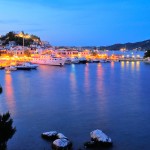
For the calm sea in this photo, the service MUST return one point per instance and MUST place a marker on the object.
(76, 99)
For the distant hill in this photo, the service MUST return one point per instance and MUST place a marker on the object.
(18, 38)
(143, 45)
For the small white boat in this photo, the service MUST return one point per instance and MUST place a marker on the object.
(75, 60)
(11, 68)
(26, 66)
(147, 60)
(68, 60)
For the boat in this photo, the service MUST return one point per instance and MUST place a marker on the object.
(32, 66)
(90, 60)
(75, 60)
(96, 60)
(1, 67)
(147, 60)
(23, 66)
(68, 60)
(11, 68)
(48, 60)
(82, 60)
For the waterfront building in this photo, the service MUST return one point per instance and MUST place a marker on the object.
(45, 44)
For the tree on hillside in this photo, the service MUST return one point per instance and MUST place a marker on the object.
(147, 54)
(11, 36)
(6, 130)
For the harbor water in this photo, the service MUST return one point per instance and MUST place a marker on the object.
(76, 99)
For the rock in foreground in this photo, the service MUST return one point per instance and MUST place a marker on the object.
(98, 138)
(62, 144)
(52, 135)
(61, 136)
(101, 138)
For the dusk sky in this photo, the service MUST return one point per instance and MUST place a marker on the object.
(78, 22)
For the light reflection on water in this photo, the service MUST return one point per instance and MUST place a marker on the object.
(76, 99)
(10, 100)
(87, 79)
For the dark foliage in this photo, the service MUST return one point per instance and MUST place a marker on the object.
(6, 130)
(147, 54)
(19, 40)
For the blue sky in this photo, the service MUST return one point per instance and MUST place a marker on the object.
(78, 22)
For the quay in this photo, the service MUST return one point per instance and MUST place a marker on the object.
(64, 56)
(131, 59)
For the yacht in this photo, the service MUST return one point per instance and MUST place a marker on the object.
(68, 60)
(48, 60)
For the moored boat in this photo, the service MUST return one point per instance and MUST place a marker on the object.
(32, 66)
(23, 66)
(1, 67)
(48, 60)
(68, 60)
(147, 60)
(75, 60)
(96, 60)
(11, 68)
(82, 60)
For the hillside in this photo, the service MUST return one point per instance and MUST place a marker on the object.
(18, 38)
